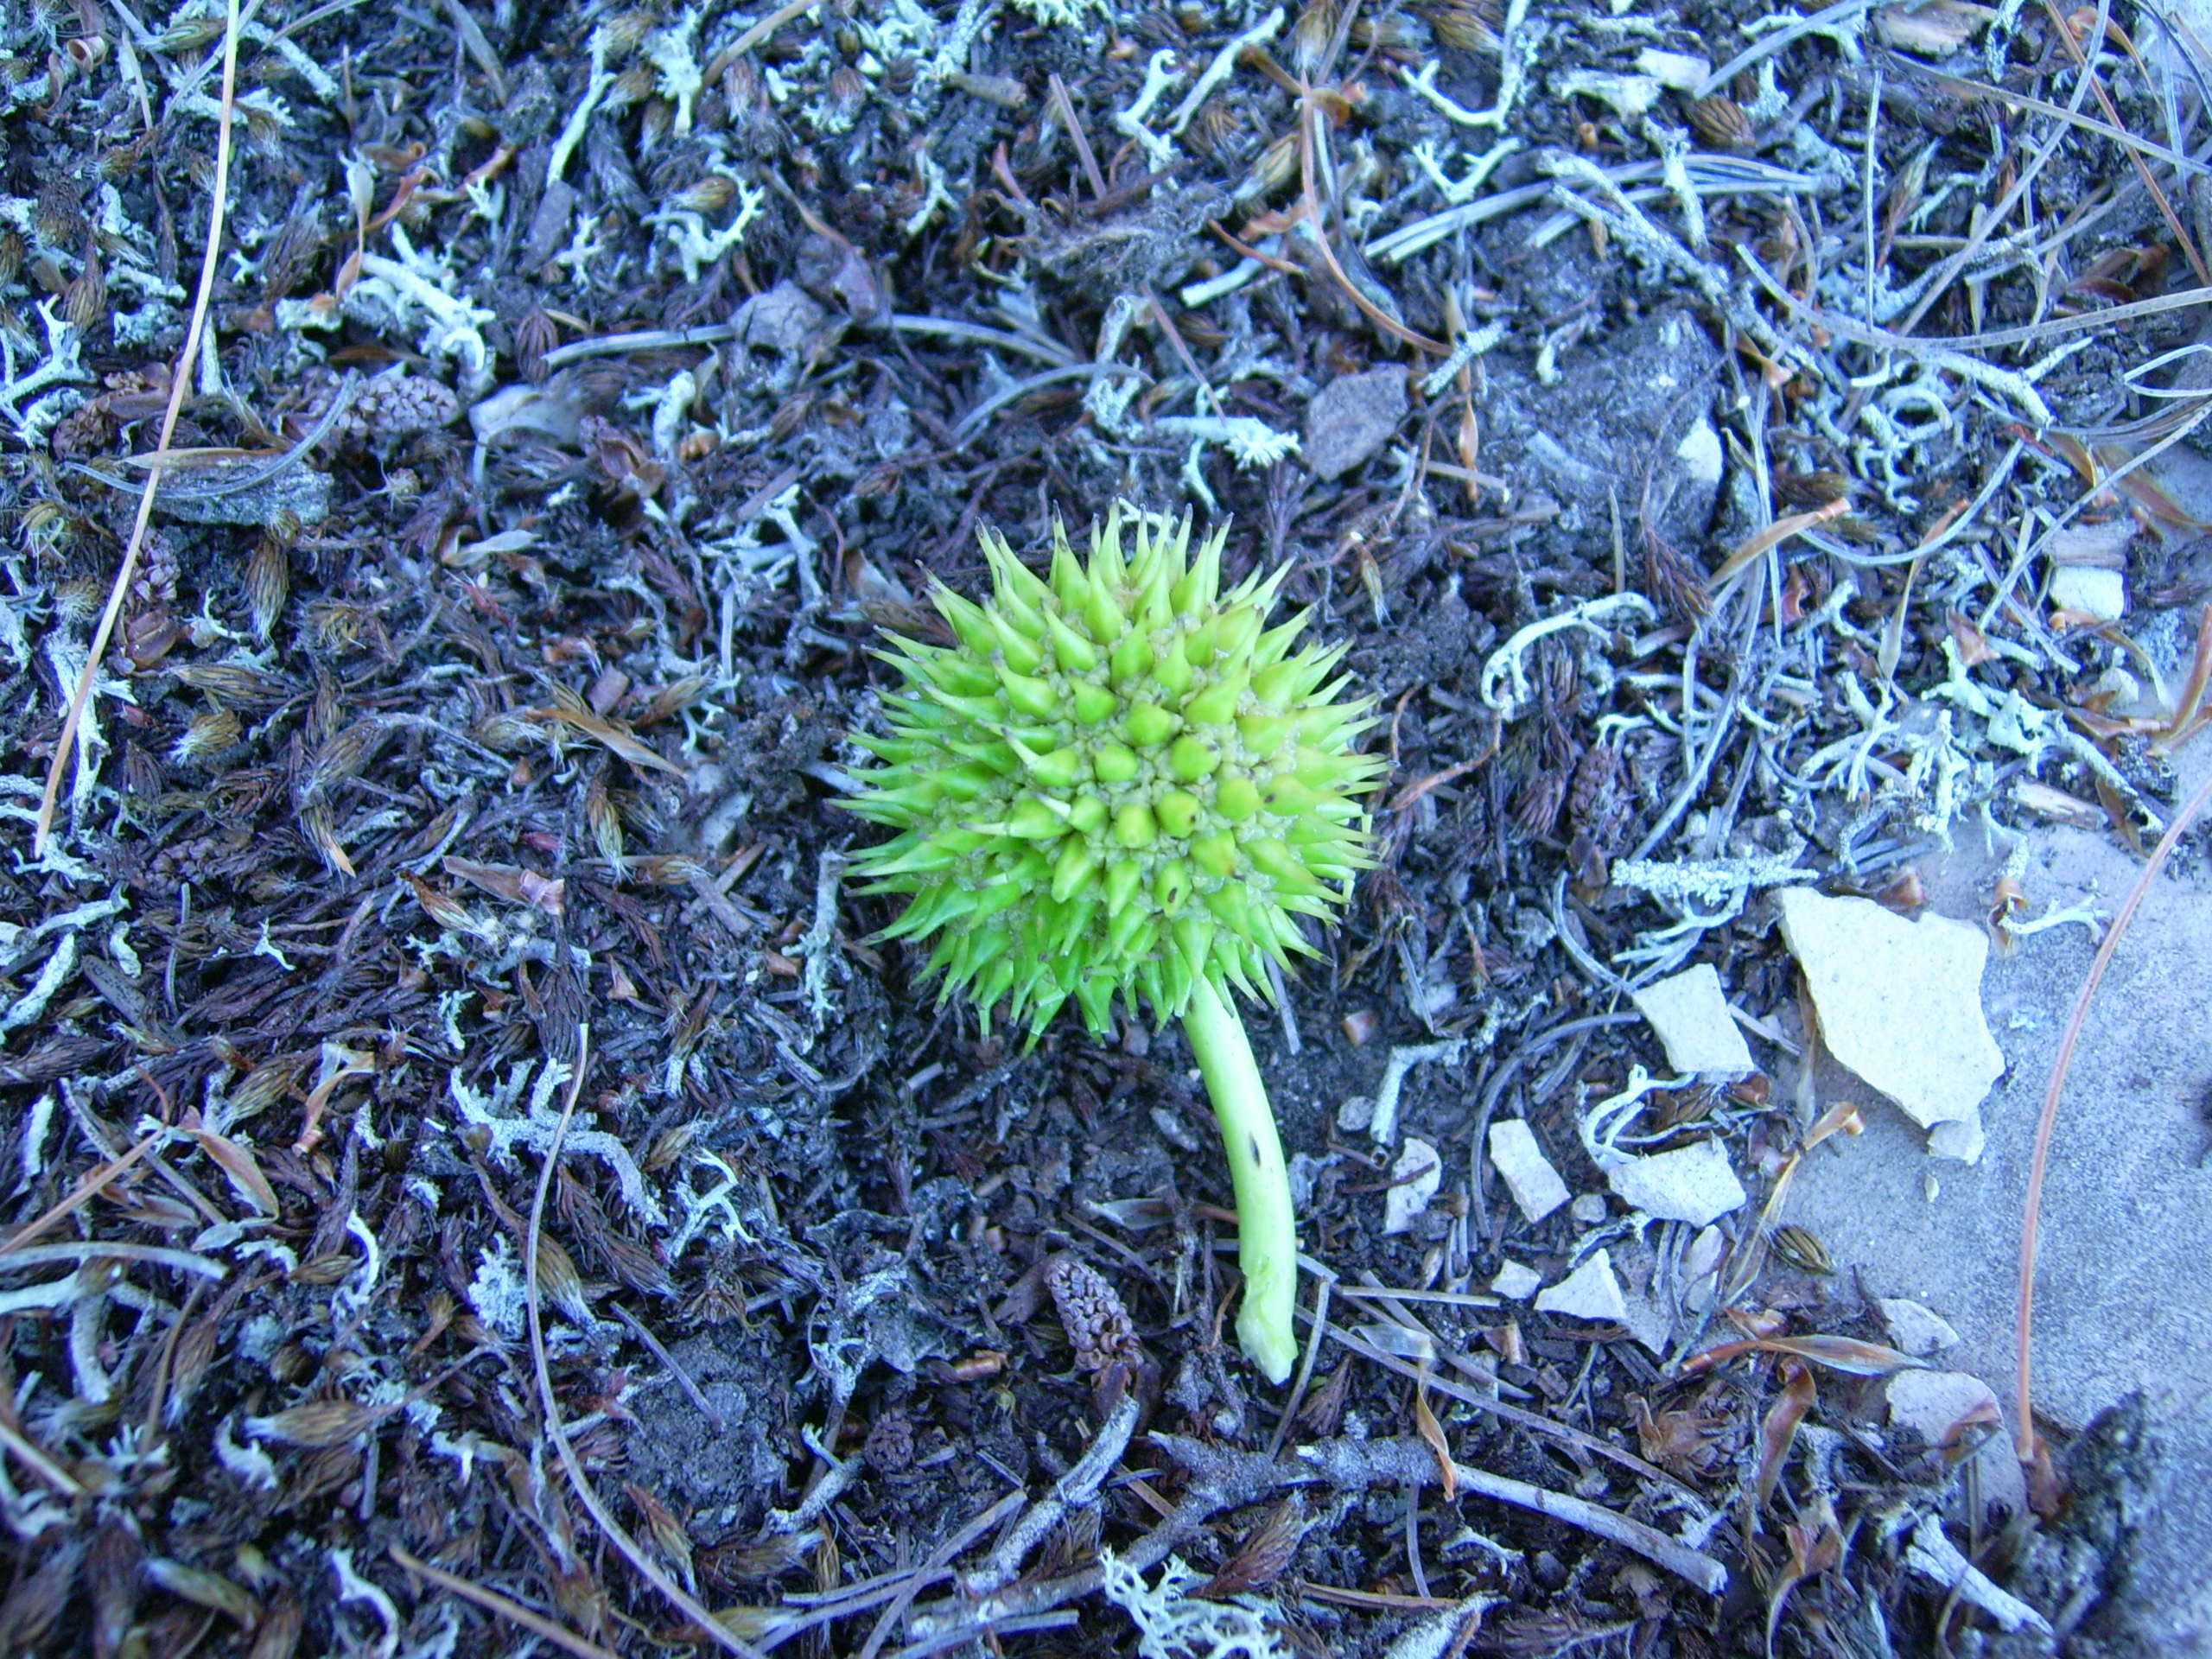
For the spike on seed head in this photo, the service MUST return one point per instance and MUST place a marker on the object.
(1118, 781)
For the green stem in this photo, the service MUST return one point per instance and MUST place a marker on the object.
(1267, 1233)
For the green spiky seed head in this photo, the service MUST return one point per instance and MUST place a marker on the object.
(1118, 779)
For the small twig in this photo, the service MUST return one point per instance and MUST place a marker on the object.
(1511, 1414)
(837, 1474)
(936, 1567)
(492, 1601)
(1076, 1489)
(1346, 1465)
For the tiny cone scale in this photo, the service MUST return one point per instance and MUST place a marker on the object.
(1118, 781)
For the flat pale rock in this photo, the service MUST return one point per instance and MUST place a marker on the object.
(1413, 1180)
(1701, 1269)
(2086, 590)
(1914, 1329)
(1693, 1184)
(1899, 1001)
(1962, 1137)
(1690, 1015)
(1352, 418)
(1517, 1281)
(1933, 1404)
(1535, 1185)
(1590, 1292)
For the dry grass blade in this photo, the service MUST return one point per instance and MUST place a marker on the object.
(611, 733)
(2104, 100)
(38, 1464)
(180, 379)
(1779, 1429)
(1534, 1421)
(1846, 1354)
(2200, 676)
(1309, 140)
(85, 1191)
(634, 1552)
(2025, 1441)
(1775, 533)
(1432, 1434)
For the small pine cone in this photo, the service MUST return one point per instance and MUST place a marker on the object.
(154, 587)
(399, 405)
(86, 431)
(1720, 121)
(381, 411)
(1091, 1311)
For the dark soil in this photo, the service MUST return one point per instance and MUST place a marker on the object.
(465, 747)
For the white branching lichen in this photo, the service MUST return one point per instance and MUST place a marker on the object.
(1171, 1624)
(535, 1128)
(685, 231)
(1067, 14)
(680, 77)
(417, 289)
(1160, 73)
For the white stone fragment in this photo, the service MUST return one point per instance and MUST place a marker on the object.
(1934, 1554)
(1701, 454)
(1678, 71)
(1962, 1138)
(1535, 1185)
(1914, 1329)
(1700, 1270)
(1590, 1292)
(1899, 1001)
(1648, 1323)
(1517, 1282)
(2089, 590)
(1690, 1014)
(1588, 1208)
(1693, 1184)
(1630, 95)
(1413, 1180)
(1934, 1403)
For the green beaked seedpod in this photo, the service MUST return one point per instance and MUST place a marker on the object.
(1120, 784)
